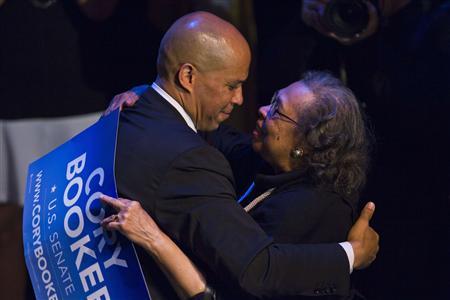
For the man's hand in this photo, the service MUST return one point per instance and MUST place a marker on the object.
(126, 99)
(364, 239)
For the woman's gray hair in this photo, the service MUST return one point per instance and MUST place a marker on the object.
(334, 136)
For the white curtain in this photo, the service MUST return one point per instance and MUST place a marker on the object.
(24, 140)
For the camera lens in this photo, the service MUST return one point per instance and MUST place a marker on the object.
(345, 18)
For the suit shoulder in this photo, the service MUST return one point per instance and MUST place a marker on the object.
(156, 133)
(204, 156)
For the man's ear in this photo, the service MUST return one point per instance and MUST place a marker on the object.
(186, 76)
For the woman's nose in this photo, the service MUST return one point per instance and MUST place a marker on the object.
(262, 111)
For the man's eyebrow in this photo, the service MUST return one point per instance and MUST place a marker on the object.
(236, 82)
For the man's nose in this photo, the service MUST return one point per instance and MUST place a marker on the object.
(238, 98)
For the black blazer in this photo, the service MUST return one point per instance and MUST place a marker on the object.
(187, 186)
(299, 212)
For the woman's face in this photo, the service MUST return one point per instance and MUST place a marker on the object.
(277, 131)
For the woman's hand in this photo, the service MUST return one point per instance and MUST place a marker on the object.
(132, 221)
(126, 99)
(137, 225)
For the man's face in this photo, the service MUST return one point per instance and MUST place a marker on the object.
(217, 92)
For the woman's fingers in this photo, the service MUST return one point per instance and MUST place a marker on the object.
(112, 223)
(111, 218)
(112, 226)
(117, 204)
(130, 219)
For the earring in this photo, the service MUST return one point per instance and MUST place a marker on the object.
(297, 153)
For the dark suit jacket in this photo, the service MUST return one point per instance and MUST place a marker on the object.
(299, 212)
(187, 186)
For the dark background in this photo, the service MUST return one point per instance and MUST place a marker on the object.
(60, 61)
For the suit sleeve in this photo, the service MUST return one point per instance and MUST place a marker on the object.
(198, 209)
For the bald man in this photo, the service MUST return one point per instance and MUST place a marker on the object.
(187, 185)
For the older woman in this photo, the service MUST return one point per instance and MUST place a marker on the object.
(313, 138)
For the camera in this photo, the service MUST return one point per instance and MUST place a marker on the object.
(346, 18)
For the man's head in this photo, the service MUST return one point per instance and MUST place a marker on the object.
(202, 63)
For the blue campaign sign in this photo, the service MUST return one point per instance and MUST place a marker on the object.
(67, 252)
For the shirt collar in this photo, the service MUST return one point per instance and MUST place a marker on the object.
(176, 105)
(266, 181)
